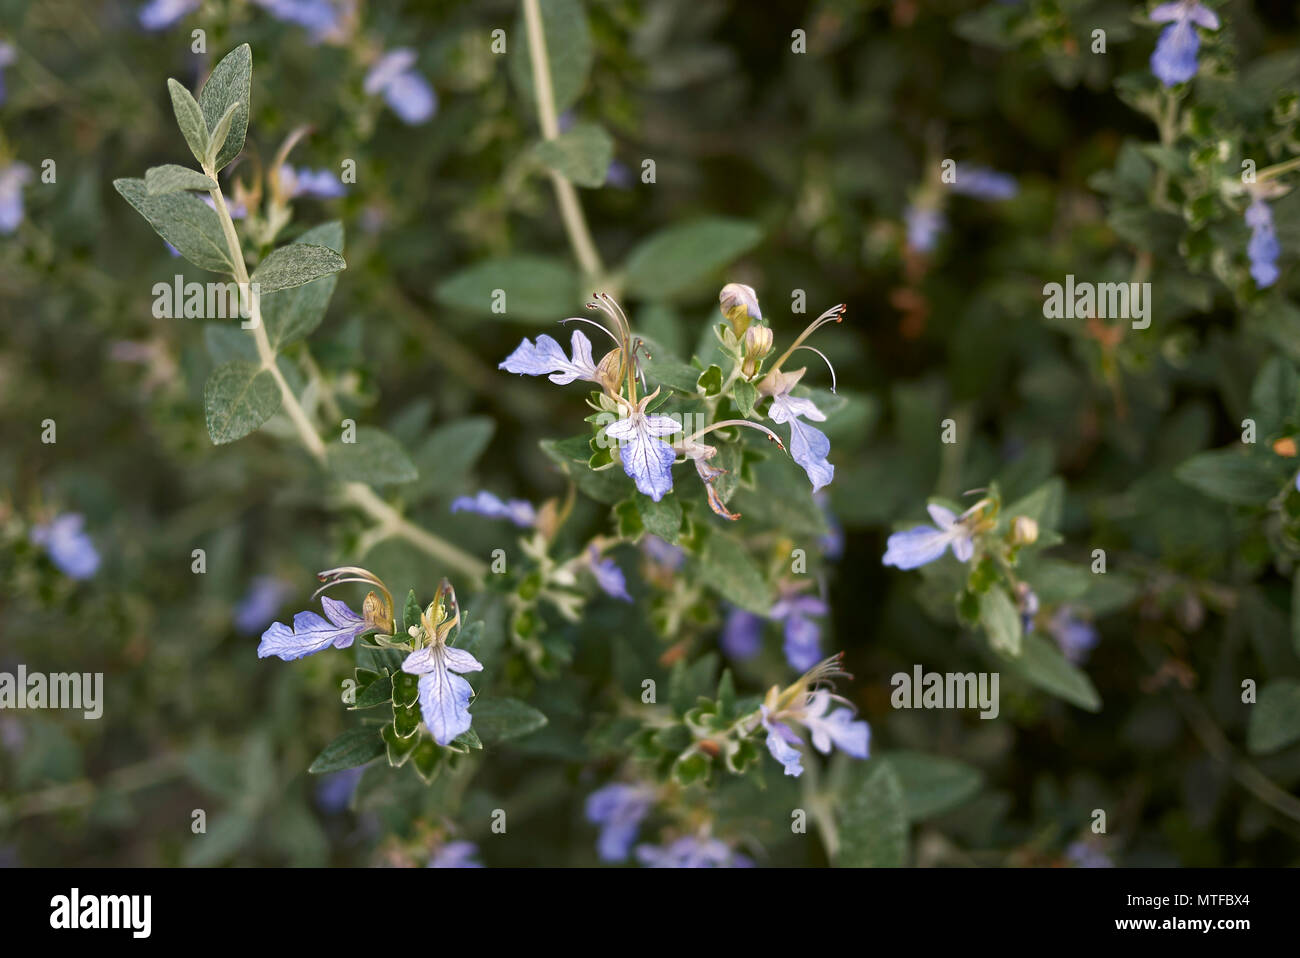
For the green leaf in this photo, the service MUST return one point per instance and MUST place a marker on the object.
(687, 683)
(226, 836)
(230, 83)
(873, 826)
(356, 746)
(932, 784)
(239, 397)
(1001, 621)
(525, 289)
(662, 518)
(1275, 718)
(410, 611)
(450, 451)
(1042, 664)
(729, 570)
(406, 689)
(1274, 395)
(399, 749)
(292, 314)
(608, 486)
(190, 119)
(1231, 475)
(581, 154)
(500, 719)
(406, 720)
(378, 692)
(745, 394)
(217, 139)
(568, 50)
(709, 382)
(427, 759)
(679, 257)
(160, 180)
(183, 220)
(1043, 505)
(295, 264)
(375, 458)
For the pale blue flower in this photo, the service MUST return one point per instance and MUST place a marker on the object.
(662, 553)
(809, 446)
(832, 543)
(407, 92)
(7, 56)
(13, 178)
(692, 851)
(802, 635)
(742, 634)
(984, 183)
(456, 855)
(835, 728)
(334, 791)
(68, 547)
(608, 575)
(260, 603)
(304, 181)
(923, 544)
(924, 225)
(161, 14)
(619, 810)
(647, 459)
(1263, 249)
(444, 695)
(1074, 635)
(319, 17)
(547, 358)
(311, 633)
(518, 511)
(1083, 855)
(1174, 59)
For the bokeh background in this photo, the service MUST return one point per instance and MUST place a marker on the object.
(822, 152)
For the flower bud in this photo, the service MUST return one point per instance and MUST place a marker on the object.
(758, 343)
(609, 371)
(739, 306)
(1024, 531)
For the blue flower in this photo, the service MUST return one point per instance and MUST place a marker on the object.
(924, 225)
(161, 14)
(260, 603)
(546, 357)
(67, 545)
(742, 634)
(407, 92)
(1027, 605)
(619, 810)
(518, 511)
(647, 459)
(691, 851)
(455, 855)
(1263, 249)
(608, 575)
(7, 56)
(917, 547)
(1083, 855)
(828, 728)
(311, 633)
(334, 791)
(319, 17)
(662, 553)
(802, 635)
(13, 178)
(1075, 636)
(985, 184)
(832, 543)
(1174, 59)
(305, 181)
(809, 446)
(444, 695)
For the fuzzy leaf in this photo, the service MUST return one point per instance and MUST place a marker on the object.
(183, 220)
(239, 397)
(295, 265)
(230, 83)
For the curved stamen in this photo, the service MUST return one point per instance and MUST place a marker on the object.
(737, 422)
(814, 349)
(592, 322)
(833, 315)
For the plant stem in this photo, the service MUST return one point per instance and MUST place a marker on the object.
(575, 224)
(390, 521)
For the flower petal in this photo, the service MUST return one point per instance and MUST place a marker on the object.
(546, 357)
(915, 547)
(444, 702)
(647, 461)
(458, 660)
(310, 633)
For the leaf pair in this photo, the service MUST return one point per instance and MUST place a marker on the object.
(215, 126)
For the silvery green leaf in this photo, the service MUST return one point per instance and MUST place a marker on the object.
(189, 117)
(500, 719)
(932, 784)
(375, 458)
(568, 49)
(873, 826)
(581, 154)
(524, 289)
(291, 314)
(1042, 664)
(1001, 621)
(219, 135)
(230, 83)
(161, 180)
(239, 397)
(1275, 718)
(183, 220)
(356, 746)
(679, 257)
(295, 265)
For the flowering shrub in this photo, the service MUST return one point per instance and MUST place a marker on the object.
(998, 413)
